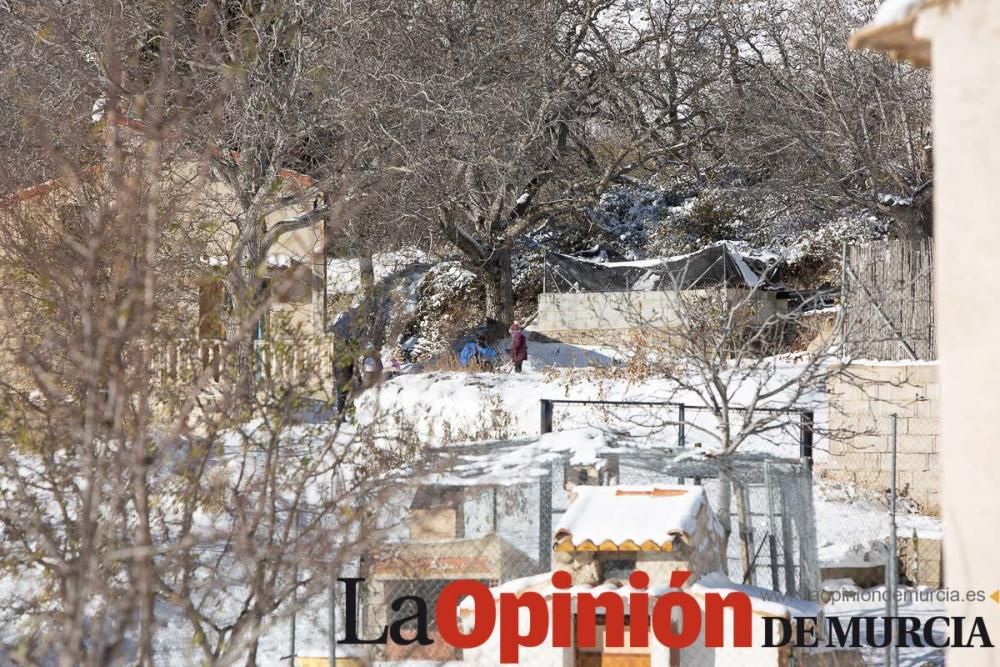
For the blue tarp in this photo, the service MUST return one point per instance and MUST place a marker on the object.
(472, 350)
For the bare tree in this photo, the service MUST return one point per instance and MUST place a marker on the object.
(518, 113)
(140, 511)
(810, 119)
(263, 114)
(746, 372)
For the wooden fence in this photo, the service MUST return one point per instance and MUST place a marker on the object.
(888, 300)
(281, 362)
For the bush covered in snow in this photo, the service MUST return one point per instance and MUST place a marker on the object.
(448, 299)
(653, 219)
(627, 214)
(634, 219)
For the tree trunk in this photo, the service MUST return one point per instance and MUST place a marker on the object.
(724, 513)
(240, 364)
(242, 321)
(746, 534)
(498, 281)
(366, 269)
(369, 311)
(252, 654)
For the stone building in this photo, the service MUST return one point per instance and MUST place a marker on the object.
(197, 225)
(862, 405)
(608, 532)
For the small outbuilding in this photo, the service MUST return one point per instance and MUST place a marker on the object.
(583, 299)
(436, 551)
(609, 531)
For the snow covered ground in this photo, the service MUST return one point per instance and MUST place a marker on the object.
(854, 530)
(917, 602)
(447, 407)
(452, 407)
(566, 355)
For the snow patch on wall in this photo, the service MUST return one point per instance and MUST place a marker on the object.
(895, 11)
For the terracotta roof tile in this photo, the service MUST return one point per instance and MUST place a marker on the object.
(629, 518)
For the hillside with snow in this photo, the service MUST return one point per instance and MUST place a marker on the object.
(427, 302)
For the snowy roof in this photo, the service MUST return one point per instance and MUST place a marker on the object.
(891, 31)
(629, 518)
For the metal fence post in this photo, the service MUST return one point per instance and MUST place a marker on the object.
(806, 437)
(545, 522)
(891, 569)
(291, 637)
(545, 269)
(496, 511)
(681, 436)
(333, 616)
(810, 576)
(295, 600)
(788, 540)
(772, 538)
(546, 424)
(680, 425)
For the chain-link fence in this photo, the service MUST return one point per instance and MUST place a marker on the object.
(878, 484)
(499, 513)
(782, 432)
(885, 433)
(493, 512)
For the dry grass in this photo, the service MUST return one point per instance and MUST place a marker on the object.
(448, 362)
(445, 362)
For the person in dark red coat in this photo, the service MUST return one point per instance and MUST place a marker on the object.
(518, 346)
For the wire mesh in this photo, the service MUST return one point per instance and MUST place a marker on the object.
(469, 520)
(716, 265)
(488, 511)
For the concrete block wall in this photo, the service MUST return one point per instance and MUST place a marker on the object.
(861, 405)
(581, 314)
(603, 310)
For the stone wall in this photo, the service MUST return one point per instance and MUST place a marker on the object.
(581, 313)
(861, 405)
(921, 559)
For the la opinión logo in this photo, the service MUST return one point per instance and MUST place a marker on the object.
(676, 619)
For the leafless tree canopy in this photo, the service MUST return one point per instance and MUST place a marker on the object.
(141, 500)
(145, 146)
(482, 120)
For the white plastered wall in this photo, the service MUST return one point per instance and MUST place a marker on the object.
(965, 39)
